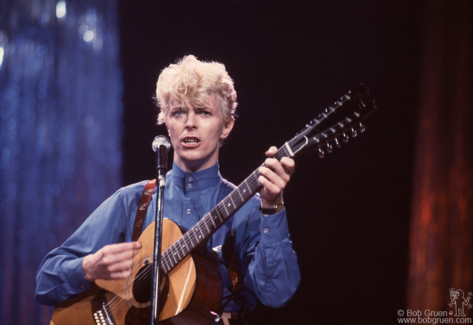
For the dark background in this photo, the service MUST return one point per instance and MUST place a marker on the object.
(349, 212)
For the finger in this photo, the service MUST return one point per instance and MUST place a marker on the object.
(271, 151)
(122, 246)
(119, 257)
(283, 168)
(269, 187)
(111, 256)
(123, 274)
(275, 166)
(288, 164)
(121, 265)
(272, 177)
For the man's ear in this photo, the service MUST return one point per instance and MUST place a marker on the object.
(227, 129)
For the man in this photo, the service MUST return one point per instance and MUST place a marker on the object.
(197, 102)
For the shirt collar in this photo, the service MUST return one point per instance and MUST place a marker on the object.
(197, 181)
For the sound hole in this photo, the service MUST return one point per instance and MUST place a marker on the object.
(143, 283)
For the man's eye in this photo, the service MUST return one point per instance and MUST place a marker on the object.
(177, 113)
(205, 113)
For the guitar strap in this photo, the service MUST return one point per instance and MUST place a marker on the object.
(142, 208)
(227, 250)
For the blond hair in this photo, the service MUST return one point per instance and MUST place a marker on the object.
(191, 81)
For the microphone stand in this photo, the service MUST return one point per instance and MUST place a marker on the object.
(161, 146)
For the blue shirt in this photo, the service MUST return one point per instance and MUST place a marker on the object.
(267, 262)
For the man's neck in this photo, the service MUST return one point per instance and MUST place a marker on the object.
(193, 166)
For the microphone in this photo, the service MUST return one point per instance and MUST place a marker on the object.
(161, 146)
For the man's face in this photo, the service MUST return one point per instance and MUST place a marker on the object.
(196, 133)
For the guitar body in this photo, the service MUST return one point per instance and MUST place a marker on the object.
(191, 291)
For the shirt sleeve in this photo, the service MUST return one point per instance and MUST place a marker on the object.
(268, 262)
(60, 274)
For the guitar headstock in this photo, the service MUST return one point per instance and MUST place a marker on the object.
(337, 123)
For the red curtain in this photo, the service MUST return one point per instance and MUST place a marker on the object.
(441, 245)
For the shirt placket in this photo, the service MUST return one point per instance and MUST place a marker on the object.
(189, 216)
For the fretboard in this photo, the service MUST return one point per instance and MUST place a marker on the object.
(212, 221)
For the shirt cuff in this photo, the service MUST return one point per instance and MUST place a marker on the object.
(274, 227)
(75, 282)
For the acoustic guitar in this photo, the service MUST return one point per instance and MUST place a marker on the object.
(191, 286)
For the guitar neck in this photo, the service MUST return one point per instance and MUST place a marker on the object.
(213, 220)
(338, 120)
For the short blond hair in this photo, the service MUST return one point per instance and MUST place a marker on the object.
(192, 81)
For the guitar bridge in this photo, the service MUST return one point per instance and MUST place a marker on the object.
(102, 317)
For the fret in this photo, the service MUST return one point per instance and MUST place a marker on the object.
(199, 225)
(176, 251)
(181, 247)
(217, 209)
(212, 219)
(238, 190)
(199, 236)
(189, 238)
(165, 258)
(205, 228)
(210, 223)
(247, 190)
(254, 181)
(233, 203)
(236, 198)
(172, 255)
(165, 262)
(191, 242)
(223, 203)
(208, 230)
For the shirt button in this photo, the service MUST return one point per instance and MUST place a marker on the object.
(190, 178)
(265, 230)
(189, 185)
(188, 211)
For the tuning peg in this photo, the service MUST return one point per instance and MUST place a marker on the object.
(345, 137)
(337, 143)
(329, 148)
(353, 133)
(321, 153)
(361, 128)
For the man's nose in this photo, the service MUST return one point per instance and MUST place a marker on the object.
(191, 121)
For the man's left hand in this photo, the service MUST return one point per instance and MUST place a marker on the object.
(274, 176)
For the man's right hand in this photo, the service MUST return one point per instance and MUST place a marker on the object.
(111, 262)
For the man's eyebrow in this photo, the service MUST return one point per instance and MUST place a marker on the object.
(200, 108)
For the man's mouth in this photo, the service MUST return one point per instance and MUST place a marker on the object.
(191, 141)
